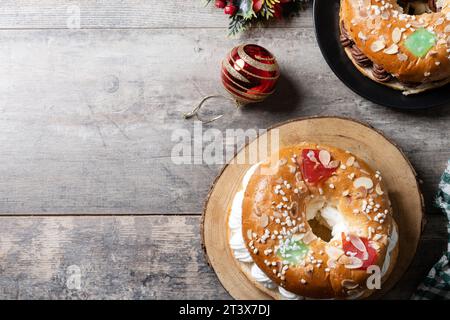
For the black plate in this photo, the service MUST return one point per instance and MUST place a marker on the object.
(326, 23)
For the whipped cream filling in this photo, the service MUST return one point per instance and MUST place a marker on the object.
(237, 243)
(331, 215)
(393, 239)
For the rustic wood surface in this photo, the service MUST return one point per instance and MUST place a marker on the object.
(86, 116)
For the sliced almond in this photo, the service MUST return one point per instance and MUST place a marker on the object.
(249, 234)
(354, 263)
(365, 182)
(312, 157)
(345, 260)
(358, 243)
(324, 157)
(447, 29)
(334, 164)
(396, 35)
(349, 284)
(418, 24)
(393, 49)
(264, 220)
(350, 161)
(378, 189)
(377, 46)
(360, 193)
(362, 36)
(333, 252)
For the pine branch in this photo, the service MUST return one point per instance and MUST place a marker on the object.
(267, 9)
(246, 17)
(237, 24)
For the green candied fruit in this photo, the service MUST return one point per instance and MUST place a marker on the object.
(420, 42)
(292, 251)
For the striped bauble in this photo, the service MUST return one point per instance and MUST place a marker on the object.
(250, 73)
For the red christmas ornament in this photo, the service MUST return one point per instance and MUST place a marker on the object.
(250, 73)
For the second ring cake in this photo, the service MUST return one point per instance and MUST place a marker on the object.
(313, 222)
(403, 44)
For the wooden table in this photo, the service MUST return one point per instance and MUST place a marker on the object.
(91, 204)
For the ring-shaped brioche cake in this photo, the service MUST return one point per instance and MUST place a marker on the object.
(405, 47)
(288, 202)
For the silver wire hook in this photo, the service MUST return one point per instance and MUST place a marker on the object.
(195, 111)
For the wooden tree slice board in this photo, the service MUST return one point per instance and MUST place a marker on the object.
(359, 138)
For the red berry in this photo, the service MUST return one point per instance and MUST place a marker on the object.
(257, 5)
(220, 4)
(230, 9)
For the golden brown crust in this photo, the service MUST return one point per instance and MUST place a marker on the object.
(371, 25)
(319, 275)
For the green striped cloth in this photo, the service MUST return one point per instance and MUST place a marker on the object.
(436, 285)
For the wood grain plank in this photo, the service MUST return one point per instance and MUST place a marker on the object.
(118, 258)
(146, 257)
(87, 116)
(114, 14)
